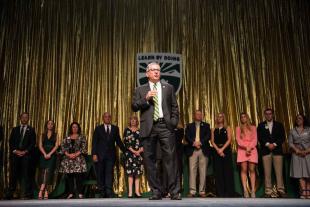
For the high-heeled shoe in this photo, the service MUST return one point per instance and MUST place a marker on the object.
(253, 195)
(40, 195)
(70, 196)
(246, 194)
(129, 196)
(46, 195)
(138, 196)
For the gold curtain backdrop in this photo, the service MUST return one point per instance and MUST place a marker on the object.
(72, 60)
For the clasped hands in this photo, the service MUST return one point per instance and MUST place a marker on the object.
(72, 155)
(20, 153)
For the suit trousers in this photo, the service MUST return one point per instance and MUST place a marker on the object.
(277, 162)
(160, 133)
(104, 172)
(198, 161)
(20, 168)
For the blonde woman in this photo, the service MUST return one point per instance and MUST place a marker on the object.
(133, 162)
(223, 170)
(247, 157)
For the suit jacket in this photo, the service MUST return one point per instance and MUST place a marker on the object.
(277, 136)
(28, 142)
(103, 144)
(205, 136)
(146, 108)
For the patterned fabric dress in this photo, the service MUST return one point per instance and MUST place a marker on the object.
(77, 165)
(300, 166)
(133, 163)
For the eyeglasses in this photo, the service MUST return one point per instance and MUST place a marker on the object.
(153, 69)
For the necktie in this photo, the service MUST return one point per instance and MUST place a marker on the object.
(156, 106)
(108, 129)
(22, 133)
(197, 138)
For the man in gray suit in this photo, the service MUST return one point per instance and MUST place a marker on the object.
(159, 117)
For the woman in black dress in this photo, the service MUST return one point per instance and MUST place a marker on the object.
(223, 170)
(133, 162)
(48, 145)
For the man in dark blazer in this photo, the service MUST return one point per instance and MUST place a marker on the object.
(104, 154)
(271, 136)
(22, 142)
(159, 116)
(197, 135)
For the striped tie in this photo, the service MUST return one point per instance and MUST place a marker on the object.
(156, 107)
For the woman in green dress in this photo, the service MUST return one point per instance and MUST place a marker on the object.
(48, 145)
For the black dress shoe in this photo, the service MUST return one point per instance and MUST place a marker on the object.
(176, 197)
(155, 197)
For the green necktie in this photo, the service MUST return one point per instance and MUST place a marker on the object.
(156, 106)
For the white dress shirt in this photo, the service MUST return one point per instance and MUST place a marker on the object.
(159, 95)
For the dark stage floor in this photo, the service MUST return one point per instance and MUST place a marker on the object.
(192, 202)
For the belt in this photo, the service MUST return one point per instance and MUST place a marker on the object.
(159, 120)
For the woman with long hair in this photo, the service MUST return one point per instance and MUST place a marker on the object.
(246, 136)
(223, 170)
(48, 144)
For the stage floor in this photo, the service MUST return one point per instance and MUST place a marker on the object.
(192, 202)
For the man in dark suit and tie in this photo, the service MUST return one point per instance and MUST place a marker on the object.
(271, 136)
(198, 134)
(104, 154)
(22, 142)
(159, 116)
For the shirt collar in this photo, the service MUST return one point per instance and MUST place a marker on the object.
(152, 84)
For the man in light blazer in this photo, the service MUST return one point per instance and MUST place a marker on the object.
(159, 116)
(271, 136)
(104, 154)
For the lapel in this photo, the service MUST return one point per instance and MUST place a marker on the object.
(163, 92)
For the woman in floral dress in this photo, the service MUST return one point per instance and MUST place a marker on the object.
(73, 164)
(133, 162)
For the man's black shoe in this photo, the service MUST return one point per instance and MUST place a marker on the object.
(155, 197)
(176, 197)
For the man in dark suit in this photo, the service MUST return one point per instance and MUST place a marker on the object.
(271, 136)
(104, 154)
(157, 104)
(197, 135)
(22, 142)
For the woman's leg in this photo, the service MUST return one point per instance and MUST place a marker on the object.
(130, 183)
(252, 167)
(244, 171)
(137, 186)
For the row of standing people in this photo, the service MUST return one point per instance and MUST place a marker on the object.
(270, 133)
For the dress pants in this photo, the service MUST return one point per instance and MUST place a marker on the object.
(277, 162)
(104, 171)
(198, 161)
(160, 133)
(20, 168)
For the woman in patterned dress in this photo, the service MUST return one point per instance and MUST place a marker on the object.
(73, 164)
(133, 162)
(299, 142)
(48, 144)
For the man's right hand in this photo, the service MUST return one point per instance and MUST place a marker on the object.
(150, 94)
(95, 158)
